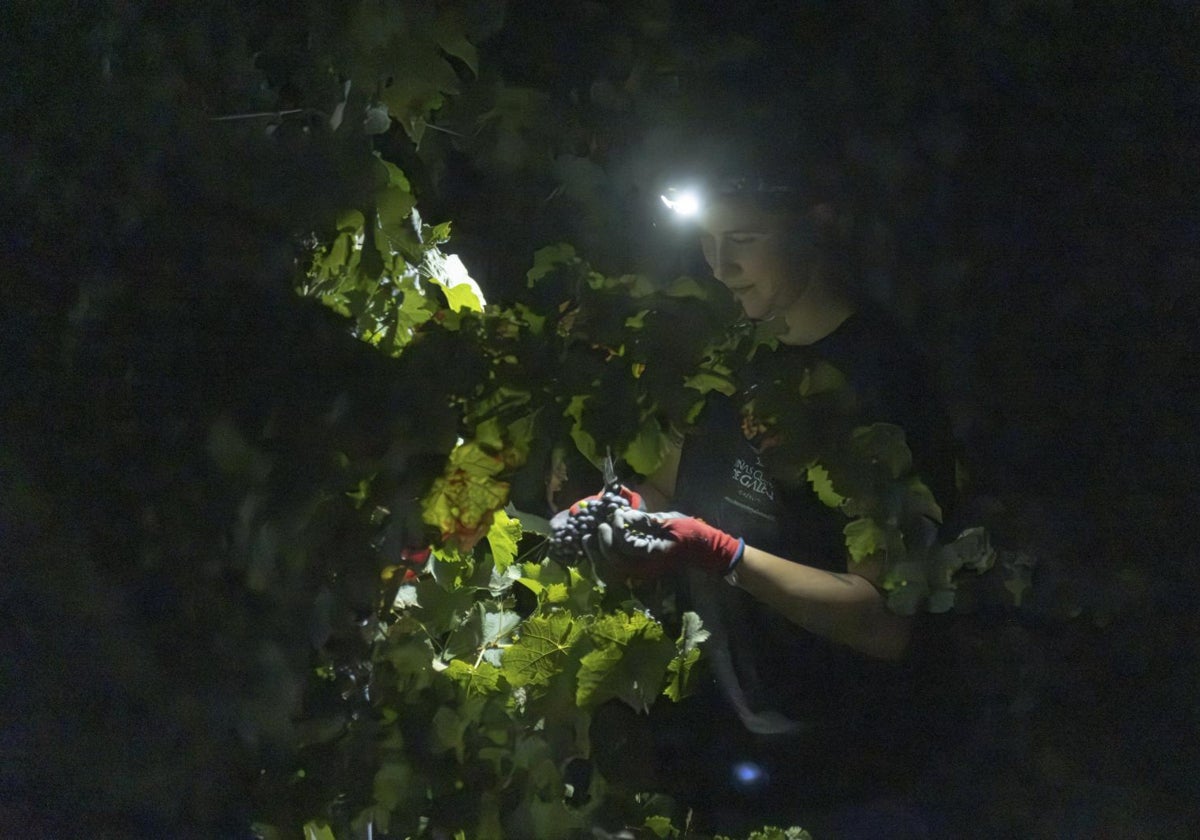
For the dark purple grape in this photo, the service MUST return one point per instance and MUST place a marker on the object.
(566, 542)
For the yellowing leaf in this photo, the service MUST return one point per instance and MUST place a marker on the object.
(463, 501)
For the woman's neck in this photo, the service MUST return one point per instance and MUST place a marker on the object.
(819, 311)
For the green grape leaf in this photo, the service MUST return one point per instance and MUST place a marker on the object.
(393, 780)
(501, 582)
(681, 669)
(449, 274)
(451, 567)
(681, 675)
(520, 440)
(443, 608)
(490, 434)
(551, 817)
(394, 202)
(1017, 568)
(940, 601)
(406, 596)
(629, 661)
(549, 259)
(821, 378)
(315, 830)
(541, 650)
(919, 500)
(450, 724)
(692, 634)
(484, 627)
(645, 452)
(450, 37)
(864, 537)
(818, 477)
(461, 297)
(637, 321)
(581, 178)
(233, 454)
(498, 624)
(556, 586)
(503, 538)
(771, 832)
(418, 77)
(660, 826)
(884, 444)
(706, 381)
(906, 598)
(686, 287)
(557, 594)
(582, 437)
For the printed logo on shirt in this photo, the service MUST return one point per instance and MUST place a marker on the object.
(753, 478)
(751, 490)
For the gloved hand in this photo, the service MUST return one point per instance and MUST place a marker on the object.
(567, 527)
(647, 544)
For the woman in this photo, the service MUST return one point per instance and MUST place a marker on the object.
(805, 650)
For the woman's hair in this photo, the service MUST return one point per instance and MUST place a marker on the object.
(780, 170)
(774, 169)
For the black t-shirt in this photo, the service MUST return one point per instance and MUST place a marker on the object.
(722, 480)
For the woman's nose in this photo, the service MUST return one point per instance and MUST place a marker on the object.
(722, 266)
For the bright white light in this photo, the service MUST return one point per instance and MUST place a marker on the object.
(685, 203)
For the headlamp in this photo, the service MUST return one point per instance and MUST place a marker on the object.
(685, 202)
(689, 202)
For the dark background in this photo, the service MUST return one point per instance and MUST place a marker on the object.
(1019, 181)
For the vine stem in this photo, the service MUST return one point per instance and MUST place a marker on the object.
(257, 115)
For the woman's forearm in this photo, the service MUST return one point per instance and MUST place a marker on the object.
(843, 607)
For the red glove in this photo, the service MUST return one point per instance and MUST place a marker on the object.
(650, 544)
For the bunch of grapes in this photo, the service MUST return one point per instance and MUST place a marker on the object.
(566, 536)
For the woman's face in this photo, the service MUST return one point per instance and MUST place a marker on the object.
(753, 253)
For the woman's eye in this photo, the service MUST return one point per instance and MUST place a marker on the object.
(743, 239)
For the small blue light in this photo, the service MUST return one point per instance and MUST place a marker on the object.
(749, 775)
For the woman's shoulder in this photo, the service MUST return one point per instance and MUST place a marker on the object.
(872, 328)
